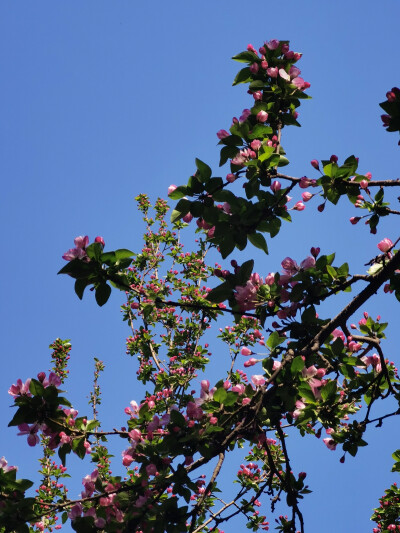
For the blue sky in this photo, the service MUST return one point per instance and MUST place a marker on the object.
(104, 100)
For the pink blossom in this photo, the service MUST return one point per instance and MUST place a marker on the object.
(283, 74)
(4, 465)
(171, 189)
(264, 64)
(193, 411)
(272, 44)
(385, 245)
(213, 420)
(31, 431)
(256, 144)
(299, 407)
(151, 469)
(246, 296)
(276, 365)
(301, 84)
(205, 385)
(20, 388)
(245, 115)
(75, 511)
(100, 240)
(127, 459)
(257, 95)
(246, 351)
(270, 279)
(250, 362)
(308, 262)
(290, 266)
(221, 134)
(74, 253)
(258, 380)
(135, 435)
(246, 401)
(294, 72)
(330, 443)
(272, 72)
(251, 48)
(262, 116)
(81, 242)
(238, 388)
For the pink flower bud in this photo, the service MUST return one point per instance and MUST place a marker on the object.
(321, 207)
(256, 144)
(355, 220)
(334, 159)
(385, 245)
(272, 72)
(364, 184)
(187, 218)
(264, 64)
(171, 189)
(272, 44)
(299, 206)
(221, 134)
(257, 95)
(262, 116)
(275, 186)
(254, 68)
(315, 164)
(230, 178)
(306, 196)
(315, 251)
(250, 362)
(246, 351)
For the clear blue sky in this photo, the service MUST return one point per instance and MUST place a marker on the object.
(104, 100)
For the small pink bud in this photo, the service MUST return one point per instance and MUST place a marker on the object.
(315, 251)
(246, 351)
(171, 189)
(315, 164)
(299, 206)
(275, 186)
(364, 184)
(254, 68)
(100, 240)
(385, 245)
(262, 116)
(334, 159)
(306, 196)
(321, 207)
(187, 218)
(230, 178)
(221, 134)
(355, 220)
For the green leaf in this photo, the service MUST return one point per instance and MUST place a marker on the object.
(230, 399)
(220, 395)
(245, 271)
(36, 388)
(178, 193)
(297, 365)
(80, 286)
(243, 76)
(227, 152)
(77, 268)
(123, 253)
(331, 271)
(260, 131)
(182, 208)
(94, 251)
(246, 57)
(102, 293)
(109, 258)
(274, 340)
(214, 184)
(265, 153)
(204, 170)
(177, 418)
(220, 294)
(329, 390)
(258, 240)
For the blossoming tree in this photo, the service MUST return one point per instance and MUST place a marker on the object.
(316, 375)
